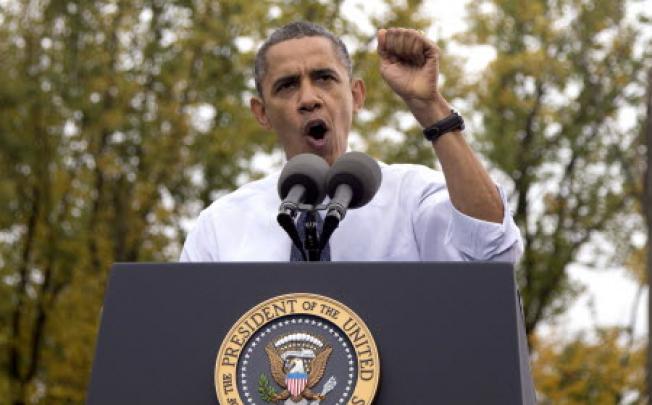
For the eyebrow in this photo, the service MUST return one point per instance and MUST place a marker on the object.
(284, 80)
(293, 78)
(320, 72)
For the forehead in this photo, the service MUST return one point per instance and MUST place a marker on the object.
(296, 55)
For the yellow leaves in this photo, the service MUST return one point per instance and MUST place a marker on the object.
(74, 324)
(636, 264)
(598, 370)
(507, 97)
(534, 63)
(528, 11)
(552, 202)
(112, 119)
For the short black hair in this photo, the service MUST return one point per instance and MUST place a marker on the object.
(294, 30)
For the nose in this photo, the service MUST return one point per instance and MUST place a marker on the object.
(309, 99)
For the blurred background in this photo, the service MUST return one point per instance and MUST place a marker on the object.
(121, 120)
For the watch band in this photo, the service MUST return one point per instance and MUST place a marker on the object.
(451, 123)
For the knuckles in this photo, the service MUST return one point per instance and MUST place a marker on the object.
(407, 45)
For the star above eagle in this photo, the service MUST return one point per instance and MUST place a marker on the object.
(294, 380)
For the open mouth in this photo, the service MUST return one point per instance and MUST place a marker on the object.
(316, 129)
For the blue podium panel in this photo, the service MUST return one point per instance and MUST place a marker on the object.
(447, 333)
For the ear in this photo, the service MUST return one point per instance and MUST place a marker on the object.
(257, 106)
(358, 91)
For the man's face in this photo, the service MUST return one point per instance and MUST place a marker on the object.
(308, 99)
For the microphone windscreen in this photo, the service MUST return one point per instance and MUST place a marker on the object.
(360, 171)
(308, 170)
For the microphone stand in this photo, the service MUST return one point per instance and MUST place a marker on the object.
(311, 242)
(312, 245)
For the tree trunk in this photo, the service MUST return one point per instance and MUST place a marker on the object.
(647, 211)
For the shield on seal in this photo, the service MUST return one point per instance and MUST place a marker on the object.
(296, 383)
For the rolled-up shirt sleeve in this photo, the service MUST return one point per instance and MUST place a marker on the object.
(483, 240)
(445, 233)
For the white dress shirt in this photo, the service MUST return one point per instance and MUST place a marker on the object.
(411, 218)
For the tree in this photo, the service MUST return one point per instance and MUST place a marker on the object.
(119, 120)
(600, 370)
(100, 152)
(646, 207)
(549, 106)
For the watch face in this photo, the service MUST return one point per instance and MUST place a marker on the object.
(451, 123)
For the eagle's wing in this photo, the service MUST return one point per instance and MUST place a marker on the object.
(318, 366)
(276, 364)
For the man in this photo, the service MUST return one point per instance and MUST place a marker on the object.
(307, 95)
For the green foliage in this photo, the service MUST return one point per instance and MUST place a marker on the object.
(119, 120)
(549, 104)
(265, 389)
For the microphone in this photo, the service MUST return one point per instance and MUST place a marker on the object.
(352, 182)
(302, 181)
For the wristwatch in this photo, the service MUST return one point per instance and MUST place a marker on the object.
(451, 123)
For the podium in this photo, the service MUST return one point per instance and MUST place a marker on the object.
(446, 333)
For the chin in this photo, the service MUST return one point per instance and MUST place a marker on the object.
(326, 155)
(330, 159)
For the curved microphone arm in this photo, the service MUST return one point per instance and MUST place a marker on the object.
(287, 222)
(336, 212)
(313, 243)
(330, 225)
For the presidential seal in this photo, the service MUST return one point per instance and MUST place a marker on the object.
(298, 349)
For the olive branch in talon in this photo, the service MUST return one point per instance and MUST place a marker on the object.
(265, 389)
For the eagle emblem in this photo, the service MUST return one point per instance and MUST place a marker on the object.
(297, 364)
(297, 349)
